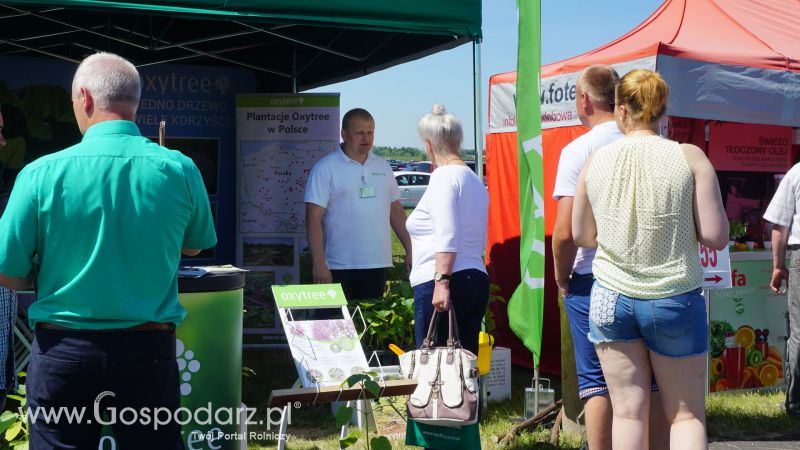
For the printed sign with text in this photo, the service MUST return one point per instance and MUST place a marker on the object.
(716, 267)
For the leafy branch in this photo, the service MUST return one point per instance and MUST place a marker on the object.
(14, 425)
(366, 383)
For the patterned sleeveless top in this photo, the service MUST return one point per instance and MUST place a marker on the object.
(641, 191)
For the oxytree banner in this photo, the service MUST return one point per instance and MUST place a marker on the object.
(280, 138)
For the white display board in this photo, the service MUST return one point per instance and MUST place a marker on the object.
(327, 351)
(279, 139)
(498, 380)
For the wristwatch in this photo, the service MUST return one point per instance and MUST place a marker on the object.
(439, 276)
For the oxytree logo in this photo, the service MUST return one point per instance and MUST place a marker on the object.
(222, 83)
(187, 365)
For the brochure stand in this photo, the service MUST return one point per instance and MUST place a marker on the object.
(326, 349)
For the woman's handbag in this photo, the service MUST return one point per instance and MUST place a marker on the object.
(447, 379)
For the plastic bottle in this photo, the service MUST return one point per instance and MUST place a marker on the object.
(734, 362)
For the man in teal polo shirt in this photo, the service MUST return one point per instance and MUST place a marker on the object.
(99, 228)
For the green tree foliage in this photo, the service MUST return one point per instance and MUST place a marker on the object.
(401, 153)
(413, 153)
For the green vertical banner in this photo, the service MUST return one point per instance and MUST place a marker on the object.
(526, 306)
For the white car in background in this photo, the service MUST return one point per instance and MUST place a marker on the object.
(412, 186)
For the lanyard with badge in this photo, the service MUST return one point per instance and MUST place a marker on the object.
(365, 191)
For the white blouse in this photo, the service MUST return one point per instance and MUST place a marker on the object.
(452, 216)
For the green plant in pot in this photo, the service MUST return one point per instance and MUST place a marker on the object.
(738, 231)
(389, 320)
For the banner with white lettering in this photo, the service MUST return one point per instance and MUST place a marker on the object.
(746, 147)
(280, 138)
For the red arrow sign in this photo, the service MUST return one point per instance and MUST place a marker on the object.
(715, 279)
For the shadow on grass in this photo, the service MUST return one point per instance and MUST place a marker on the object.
(274, 369)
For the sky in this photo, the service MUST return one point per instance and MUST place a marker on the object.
(399, 96)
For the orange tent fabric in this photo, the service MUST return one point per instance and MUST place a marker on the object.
(752, 33)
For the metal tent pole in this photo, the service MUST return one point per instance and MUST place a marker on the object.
(476, 116)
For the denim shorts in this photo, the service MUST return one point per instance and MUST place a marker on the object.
(675, 326)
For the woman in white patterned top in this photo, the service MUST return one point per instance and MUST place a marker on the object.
(645, 202)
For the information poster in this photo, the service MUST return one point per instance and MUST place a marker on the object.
(748, 330)
(325, 352)
(280, 138)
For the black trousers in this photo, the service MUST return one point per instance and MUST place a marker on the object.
(359, 284)
(469, 294)
(97, 374)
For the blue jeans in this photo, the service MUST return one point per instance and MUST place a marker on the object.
(675, 326)
(469, 294)
(73, 368)
(590, 374)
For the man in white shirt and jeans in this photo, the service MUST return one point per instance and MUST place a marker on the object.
(594, 101)
(352, 200)
(784, 212)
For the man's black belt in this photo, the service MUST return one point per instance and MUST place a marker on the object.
(147, 326)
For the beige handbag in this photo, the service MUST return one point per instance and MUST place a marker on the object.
(447, 379)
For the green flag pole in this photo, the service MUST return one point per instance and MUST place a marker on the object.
(526, 307)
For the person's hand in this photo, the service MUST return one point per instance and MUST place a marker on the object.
(322, 275)
(779, 274)
(563, 287)
(408, 265)
(441, 296)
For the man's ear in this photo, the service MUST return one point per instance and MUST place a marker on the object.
(586, 102)
(87, 102)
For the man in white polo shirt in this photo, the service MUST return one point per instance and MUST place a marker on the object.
(784, 212)
(352, 200)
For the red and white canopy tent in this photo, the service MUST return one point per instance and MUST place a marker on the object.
(727, 60)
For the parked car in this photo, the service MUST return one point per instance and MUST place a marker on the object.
(423, 166)
(412, 186)
(401, 165)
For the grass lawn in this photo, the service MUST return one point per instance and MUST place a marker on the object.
(744, 416)
(314, 428)
(397, 248)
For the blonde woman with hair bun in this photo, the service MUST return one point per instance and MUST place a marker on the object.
(645, 202)
(448, 235)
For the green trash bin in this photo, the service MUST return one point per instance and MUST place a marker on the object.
(209, 352)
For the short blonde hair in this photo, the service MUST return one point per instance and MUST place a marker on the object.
(645, 94)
